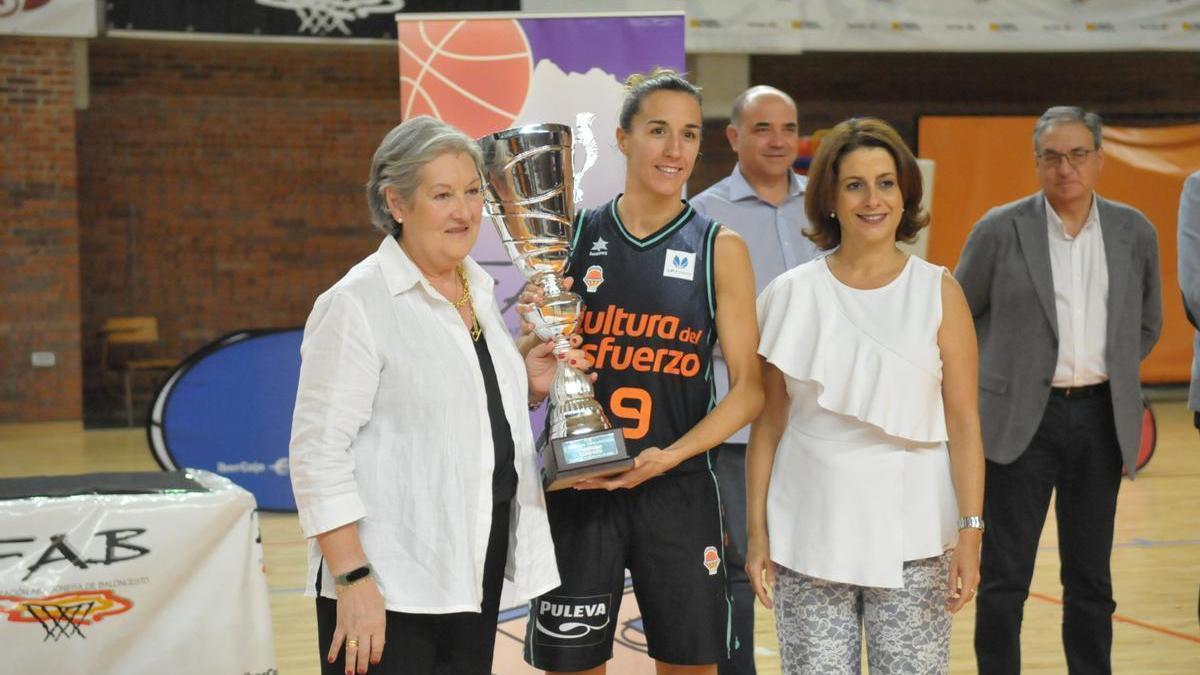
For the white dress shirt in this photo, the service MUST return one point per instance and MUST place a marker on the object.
(391, 430)
(1080, 275)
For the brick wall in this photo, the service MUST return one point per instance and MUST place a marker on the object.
(221, 184)
(39, 231)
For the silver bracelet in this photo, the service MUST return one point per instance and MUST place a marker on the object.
(971, 523)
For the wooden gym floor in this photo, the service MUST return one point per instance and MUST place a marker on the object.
(1156, 561)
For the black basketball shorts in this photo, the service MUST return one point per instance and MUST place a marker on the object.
(668, 533)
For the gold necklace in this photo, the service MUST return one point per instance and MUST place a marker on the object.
(466, 289)
(476, 329)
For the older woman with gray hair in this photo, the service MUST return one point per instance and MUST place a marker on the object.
(411, 455)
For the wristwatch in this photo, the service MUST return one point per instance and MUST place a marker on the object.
(971, 522)
(354, 575)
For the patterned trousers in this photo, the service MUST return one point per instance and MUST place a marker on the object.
(820, 623)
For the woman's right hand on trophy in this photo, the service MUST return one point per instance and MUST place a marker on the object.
(531, 296)
(541, 364)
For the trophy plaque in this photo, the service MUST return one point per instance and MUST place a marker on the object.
(529, 195)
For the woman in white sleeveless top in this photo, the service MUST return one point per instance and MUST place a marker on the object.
(861, 516)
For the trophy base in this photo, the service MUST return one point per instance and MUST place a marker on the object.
(566, 461)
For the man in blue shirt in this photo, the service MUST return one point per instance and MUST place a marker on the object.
(762, 200)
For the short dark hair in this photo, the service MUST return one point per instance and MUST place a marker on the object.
(640, 85)
(820, 199)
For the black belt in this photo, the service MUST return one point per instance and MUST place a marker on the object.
(1086, 391)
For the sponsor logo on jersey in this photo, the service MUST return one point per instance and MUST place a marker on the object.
(593, 277)
(712, 560)
(574, 621)
(614, 327)
(680, 265)
(599, 247)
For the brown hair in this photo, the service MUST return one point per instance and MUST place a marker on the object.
(640, 85)
(820, 198)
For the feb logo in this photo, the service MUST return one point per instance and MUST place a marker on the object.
(712, 560)
(593, 277)
(680, 265)
(63, 615)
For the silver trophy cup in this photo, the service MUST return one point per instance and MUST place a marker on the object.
(529, 196)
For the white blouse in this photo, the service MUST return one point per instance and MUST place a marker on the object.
(861, 480)
(391, 430)
(1079, 274)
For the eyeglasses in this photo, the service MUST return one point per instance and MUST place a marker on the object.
(1050, 159)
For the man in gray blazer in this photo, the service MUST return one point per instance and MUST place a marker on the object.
(1064, 288)
(1189, 277)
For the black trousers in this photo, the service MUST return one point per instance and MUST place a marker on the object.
(1075, 454)
(731, 477)
(429, 644)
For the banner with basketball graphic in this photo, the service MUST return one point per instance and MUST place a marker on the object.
(110, 583)
(487, 73)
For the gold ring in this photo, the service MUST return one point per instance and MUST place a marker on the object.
(971, 590)
(352, 644)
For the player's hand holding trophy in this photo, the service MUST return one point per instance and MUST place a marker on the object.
(529, 195)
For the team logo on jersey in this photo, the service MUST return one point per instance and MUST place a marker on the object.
(680, 265)
(599, 247)
(571, 621)
(593, 277)
(712, 561)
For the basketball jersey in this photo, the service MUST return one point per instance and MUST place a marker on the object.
(649, 323)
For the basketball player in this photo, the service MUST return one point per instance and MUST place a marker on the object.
(660, 284)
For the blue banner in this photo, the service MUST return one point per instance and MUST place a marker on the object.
(228, 409)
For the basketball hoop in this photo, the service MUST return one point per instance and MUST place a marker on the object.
(63, 615)
(322, 17)
(61, 621)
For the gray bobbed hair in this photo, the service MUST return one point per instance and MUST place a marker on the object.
(401, 155)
